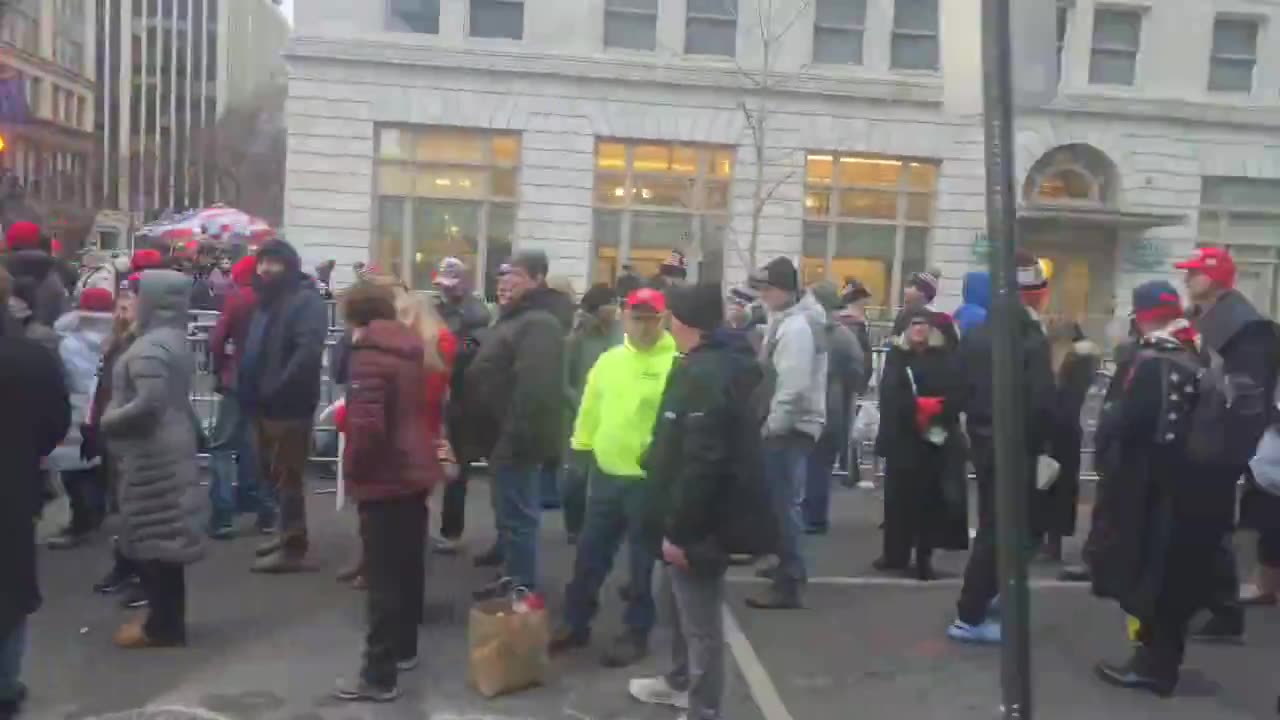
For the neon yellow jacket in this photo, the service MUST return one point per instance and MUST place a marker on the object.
(620, 405)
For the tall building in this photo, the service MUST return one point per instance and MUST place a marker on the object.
(47, 113)
(170, 69)
(610, 131)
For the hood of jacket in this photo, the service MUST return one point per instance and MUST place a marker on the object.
(977, 289)
(33, 264)
(1225, 318)
(391, 337)
(163, 299)
(243, 271)
(544, 298)
(812, 311)
(732, 340)
(92, 328)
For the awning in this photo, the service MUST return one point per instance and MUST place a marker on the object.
(1097, 216)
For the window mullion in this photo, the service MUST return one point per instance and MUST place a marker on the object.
(406, 242)
(624, 231)
(482, 244)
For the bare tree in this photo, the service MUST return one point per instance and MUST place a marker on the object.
(774, 20)
(245, 153)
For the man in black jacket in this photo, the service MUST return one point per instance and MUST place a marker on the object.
(279, 385)
(30, 379)
(467, 318)
(981, 581)
(515, 402)
(1241, 342)
(712, 498)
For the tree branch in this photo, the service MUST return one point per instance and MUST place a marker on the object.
(774, 188)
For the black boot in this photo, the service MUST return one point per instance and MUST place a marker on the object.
(1225, 626)
(1140, 673)
(924, 566)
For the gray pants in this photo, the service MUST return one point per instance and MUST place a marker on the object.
(697, 646)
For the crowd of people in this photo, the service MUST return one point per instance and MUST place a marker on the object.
(694, 425)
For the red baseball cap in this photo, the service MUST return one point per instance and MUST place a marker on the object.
(1214, 262)
(647, 298)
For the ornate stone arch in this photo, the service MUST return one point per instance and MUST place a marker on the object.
(1074, 174)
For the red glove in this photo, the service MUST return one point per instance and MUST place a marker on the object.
(927, 408)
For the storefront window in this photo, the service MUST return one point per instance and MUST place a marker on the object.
(1243, 215)
(653, 198)
(867, 218)
(445, 192)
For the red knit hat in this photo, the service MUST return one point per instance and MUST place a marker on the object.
(96, 299)
(146, 259)
(23, 235)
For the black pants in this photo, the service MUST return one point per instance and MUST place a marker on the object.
(87, 495)
(165, 584)
(1226, 585)
(394, 558)
(1193, 557)
(981, 575)
(453, 506)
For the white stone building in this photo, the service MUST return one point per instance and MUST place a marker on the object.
(610, 131)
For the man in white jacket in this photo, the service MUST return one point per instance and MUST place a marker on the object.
(795, 351)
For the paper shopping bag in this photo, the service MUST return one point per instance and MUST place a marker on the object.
(508, 648)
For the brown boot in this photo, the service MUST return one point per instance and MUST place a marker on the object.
(131, 635)
(279, 563)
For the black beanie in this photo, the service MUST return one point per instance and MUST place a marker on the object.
(698, 306)
(780, 272)
(597, 297)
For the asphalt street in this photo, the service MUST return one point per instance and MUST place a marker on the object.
(270, 648)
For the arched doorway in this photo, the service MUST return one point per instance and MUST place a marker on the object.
(1069, 205)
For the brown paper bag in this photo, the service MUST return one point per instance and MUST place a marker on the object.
(508, 649)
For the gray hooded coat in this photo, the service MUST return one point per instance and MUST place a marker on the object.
(796, 349)
(150, 432)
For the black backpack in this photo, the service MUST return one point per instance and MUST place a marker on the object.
(1230, 415)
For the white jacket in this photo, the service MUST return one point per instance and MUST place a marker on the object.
(796, 348)
(84, 337)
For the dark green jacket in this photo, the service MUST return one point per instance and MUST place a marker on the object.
(515, 385)
(587, 343)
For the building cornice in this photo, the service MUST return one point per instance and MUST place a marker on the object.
(924, 89)
(21, 59)
(1168, 109)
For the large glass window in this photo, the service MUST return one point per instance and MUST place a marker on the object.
(497, 19)
(445, 192)
(651, 198)
(867, 218)
(1234, 55)
(837, 31)
(1243, 215)
(915, 35)
(1117, 38)
(711, 27)
(631, 24)
(413, 16)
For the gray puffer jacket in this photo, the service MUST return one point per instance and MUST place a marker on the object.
(150, 430)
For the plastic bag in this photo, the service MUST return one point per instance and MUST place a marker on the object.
(867, 424)
(508, 640)
(1266, 462)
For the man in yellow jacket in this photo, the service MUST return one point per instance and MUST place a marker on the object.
(615, 424)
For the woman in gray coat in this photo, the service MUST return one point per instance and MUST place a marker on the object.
(151, 435)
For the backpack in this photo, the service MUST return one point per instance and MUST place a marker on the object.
(1229, 418)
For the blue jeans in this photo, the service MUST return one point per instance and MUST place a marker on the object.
(519, 496)
(817, 493)
(233, 486)
(785, 460)
(12, 647)
(616, 509)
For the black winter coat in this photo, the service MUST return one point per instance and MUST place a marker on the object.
(289, 329)
(711, 496)
(38, 413)
(1058, 504)
(926, 488)
(1150, 532)
(514, 388)
(1039, 396)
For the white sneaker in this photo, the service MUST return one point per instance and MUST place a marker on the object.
(657, 691)
(446, 546)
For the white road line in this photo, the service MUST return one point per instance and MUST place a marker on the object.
(761, 686)
(877, 581)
